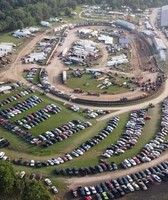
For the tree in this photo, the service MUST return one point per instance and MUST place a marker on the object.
(7, 178)
(34, 191)
(20, 24)
(67, 11)
(2, 15)
(72, 4)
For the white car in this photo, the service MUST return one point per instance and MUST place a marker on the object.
(60, 160)
(79, 152)
(87, 191)
(54, 189)
(129, 178)
(32, 163)
(48, 181)
(69, 156)
(2, 154)
(133, 163)
(56, 161)
(22, 174)
(92, 189)
(136, 186)
(130, 187)
(157, 178)
(51, 162)
(74, 153)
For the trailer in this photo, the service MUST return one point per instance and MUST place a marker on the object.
(64, 76)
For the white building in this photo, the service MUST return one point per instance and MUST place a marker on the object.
(159, 44)
(106, 39)
(25, 32)
(6, 48)
(117, 60)
(40, 56)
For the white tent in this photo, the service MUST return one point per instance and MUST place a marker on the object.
(5, 88)
(106, 39)
(44, 23)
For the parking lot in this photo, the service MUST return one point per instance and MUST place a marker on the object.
(37, 130)
(117, 188)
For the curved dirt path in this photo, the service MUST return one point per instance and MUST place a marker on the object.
(15, 73)
(94, 179)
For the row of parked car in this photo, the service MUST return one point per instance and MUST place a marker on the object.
(15, 97)
(119, 187)
(102, 167)
(20, 107)
(31, 73)
(156, 146)
(130, 136)
(112, 124)
(47, 87)
(63, 132)
(13, 127)
(67, 157)
(33, 119)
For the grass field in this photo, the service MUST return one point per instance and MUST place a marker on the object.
(54, 121)
(19, 148)
(89, 84)
(7, 37)
(66, 115)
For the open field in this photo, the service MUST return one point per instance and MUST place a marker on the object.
(90, 84)
(7, 37)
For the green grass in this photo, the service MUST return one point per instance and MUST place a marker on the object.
(92, 156)
(89, 84)
(7, 37)
(54, 121)
(150, 129)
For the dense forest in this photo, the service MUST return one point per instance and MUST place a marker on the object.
(21, 13)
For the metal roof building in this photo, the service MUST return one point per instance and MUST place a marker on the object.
(159, 44)
(123, 41)
(125, 24)
(164, 16)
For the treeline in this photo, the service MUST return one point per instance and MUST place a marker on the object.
(12, 187)
(22, 13)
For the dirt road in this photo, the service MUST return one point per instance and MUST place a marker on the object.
(94, 179)
(15, 73)
(16, 68)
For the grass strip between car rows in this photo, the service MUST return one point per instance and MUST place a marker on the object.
(19, 148)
